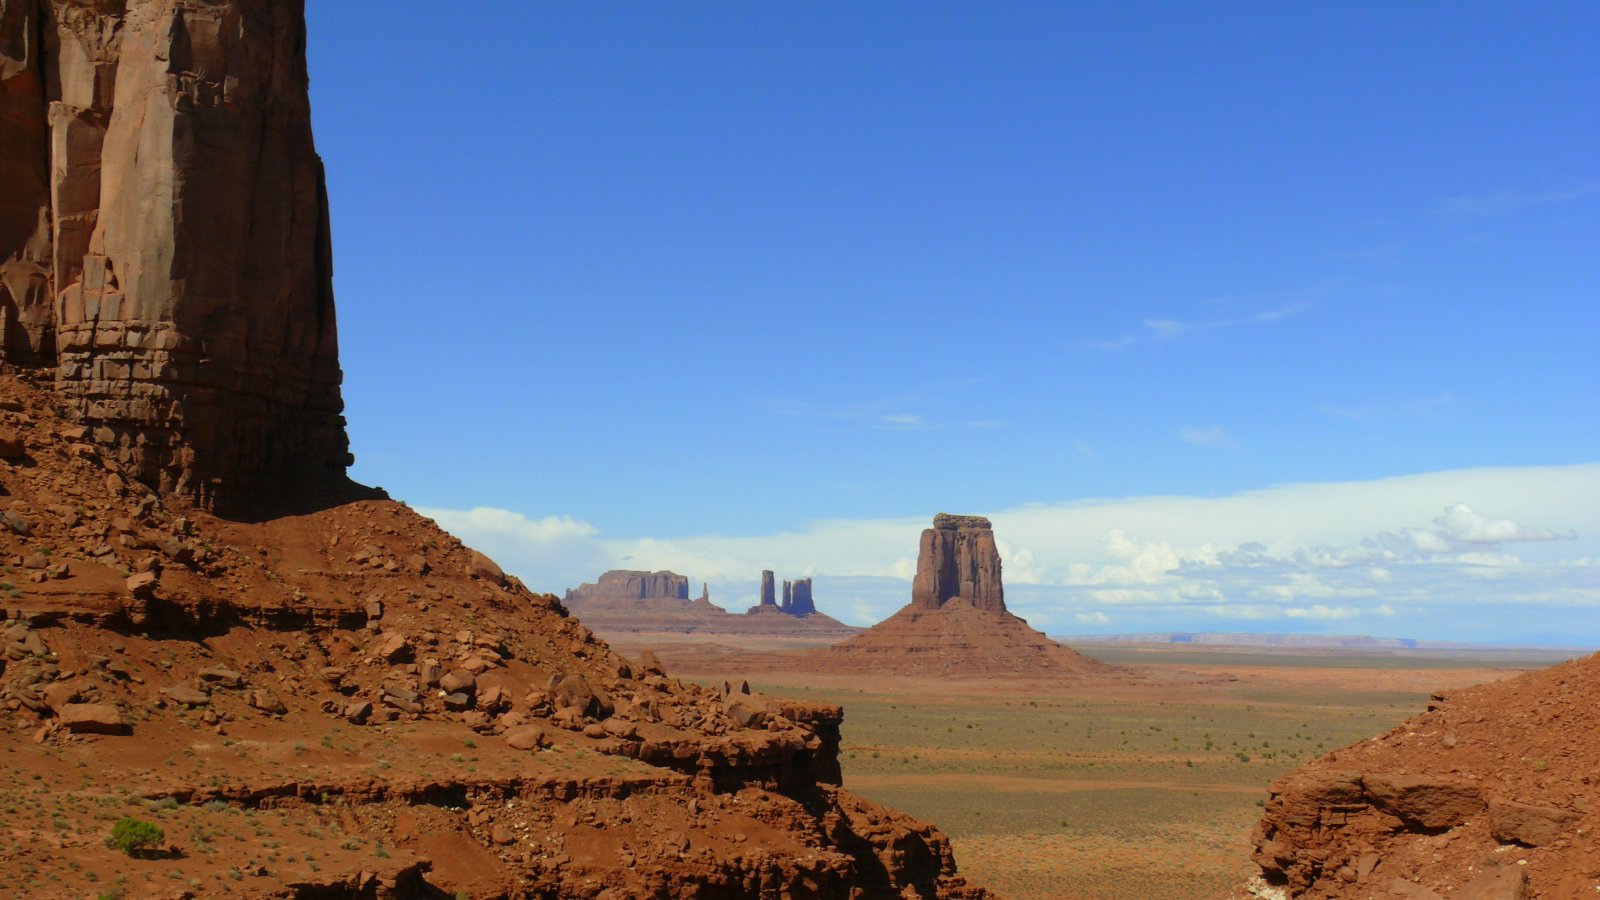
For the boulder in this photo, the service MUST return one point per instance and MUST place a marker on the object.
(493, 699)
(142, 584)
(526, 737)
(92, 718)
(356, 711)
(60, 694)
(187, 696)
(485, 569)
(1424, 802)
(221, 677)
(268, 702)
(1502, 883)
(1525, 823)
(395, 649)
(574, 692)
(650, 664)
(11, 446)
(458, 681)
(747, 711)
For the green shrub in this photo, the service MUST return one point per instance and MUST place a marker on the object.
(135, 836)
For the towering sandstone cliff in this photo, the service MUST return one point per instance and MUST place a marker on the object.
(164, 241)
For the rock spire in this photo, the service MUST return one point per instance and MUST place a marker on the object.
(767, 593)
(164, 239)
(797, 598)
(958, 560)
(957, 623)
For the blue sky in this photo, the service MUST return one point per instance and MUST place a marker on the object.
(703, 277)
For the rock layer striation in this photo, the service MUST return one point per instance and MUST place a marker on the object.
(164, 239)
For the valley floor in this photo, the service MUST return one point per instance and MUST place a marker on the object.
(1145, 789)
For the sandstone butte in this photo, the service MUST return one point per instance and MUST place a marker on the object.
(315, 690)
(1492, 794)
(957, 623)
(624, 603)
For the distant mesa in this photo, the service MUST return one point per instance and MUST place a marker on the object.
(627, 584)
(957, 622)
(625, 602)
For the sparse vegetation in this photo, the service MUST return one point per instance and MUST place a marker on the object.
(135, 837)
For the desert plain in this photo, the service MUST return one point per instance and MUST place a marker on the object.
(1141, 786)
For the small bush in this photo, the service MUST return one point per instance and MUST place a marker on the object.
(135, 836)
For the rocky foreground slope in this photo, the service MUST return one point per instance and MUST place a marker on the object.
(1493, 794)
(309, 689)
(351, 703)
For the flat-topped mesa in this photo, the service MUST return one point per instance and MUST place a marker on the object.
(629, 584)
(958, 560)
(164, 240)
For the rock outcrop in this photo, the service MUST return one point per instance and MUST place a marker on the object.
(627, 584)
(767, 594)
(797, 598)
(164, 239)
(958, 561)
(957, 623)
(1492, 793)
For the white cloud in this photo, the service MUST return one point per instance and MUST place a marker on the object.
(1501, 202)
(489, 520)
(1170, 329)
(1092, 618)
(1391, 409)
(1211, 437)
(1322, 612)
(1461, 522)
(902, 420)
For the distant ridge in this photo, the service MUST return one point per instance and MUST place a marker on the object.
(1302, 641)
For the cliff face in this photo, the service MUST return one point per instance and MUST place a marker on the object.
(958, 559)
(164, 240)
(627, 584)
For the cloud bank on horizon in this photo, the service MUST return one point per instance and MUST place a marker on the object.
(1488, 554)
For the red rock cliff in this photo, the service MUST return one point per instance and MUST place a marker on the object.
(164, 240)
